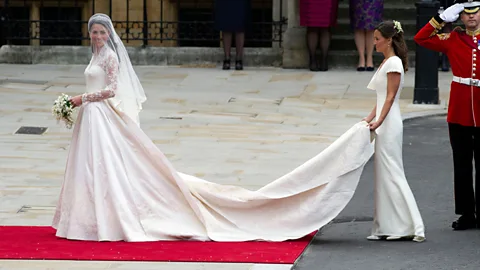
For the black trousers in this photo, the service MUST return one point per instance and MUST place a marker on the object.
(465, 142)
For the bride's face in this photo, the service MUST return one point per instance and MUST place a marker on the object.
(98, 35)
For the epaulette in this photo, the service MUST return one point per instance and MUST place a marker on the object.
(458, 29)
(443, 36)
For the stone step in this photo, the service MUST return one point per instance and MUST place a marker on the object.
(349, 59)
(343, 27)
(408, 2)
(398, 11)
(347, 43)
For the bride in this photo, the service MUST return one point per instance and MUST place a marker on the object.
(119, 186)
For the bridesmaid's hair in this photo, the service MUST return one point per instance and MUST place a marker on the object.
(388, 30)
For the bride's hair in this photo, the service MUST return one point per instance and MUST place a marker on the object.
(393, 29)
(105, 21)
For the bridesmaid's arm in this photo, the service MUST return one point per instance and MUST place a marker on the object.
(111, 69)
(393, 82)
(371, 116)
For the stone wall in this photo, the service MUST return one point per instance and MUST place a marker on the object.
(80, 55)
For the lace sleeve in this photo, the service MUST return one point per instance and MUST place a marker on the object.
(111, 69)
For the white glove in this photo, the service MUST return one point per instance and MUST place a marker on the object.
(451, 14)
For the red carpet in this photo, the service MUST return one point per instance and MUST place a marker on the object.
(40, 243)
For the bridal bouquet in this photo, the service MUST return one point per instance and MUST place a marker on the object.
(63, 110)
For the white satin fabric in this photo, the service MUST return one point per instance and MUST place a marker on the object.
(119, 186)
(396, 211)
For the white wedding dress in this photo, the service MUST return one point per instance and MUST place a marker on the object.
(119, 186)
(396, 212)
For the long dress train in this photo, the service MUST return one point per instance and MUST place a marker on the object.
(119, 186)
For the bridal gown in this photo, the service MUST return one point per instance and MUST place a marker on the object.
(396, 212)
(119, 186)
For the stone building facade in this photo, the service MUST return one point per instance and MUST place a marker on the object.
(63, 22)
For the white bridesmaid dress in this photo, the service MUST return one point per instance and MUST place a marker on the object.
(396, 212)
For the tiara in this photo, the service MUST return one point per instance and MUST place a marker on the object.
(398, 26)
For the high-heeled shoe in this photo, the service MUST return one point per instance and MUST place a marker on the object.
(313, 64)
(374, 238)
(226, 64)
(324, 64)
(418, 239)
(238, 65)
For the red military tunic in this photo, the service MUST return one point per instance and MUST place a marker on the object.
(462, 48)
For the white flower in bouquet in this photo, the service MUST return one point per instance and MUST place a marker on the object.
(63, 110)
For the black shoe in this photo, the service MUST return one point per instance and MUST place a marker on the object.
(370, 68)
(324, 64)
(465, 222)
(313, 65)
(226, 64)
(360, 68)
(238, 65)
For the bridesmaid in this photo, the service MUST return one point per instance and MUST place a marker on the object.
(318, 16)
(396, 215)
(232, 17)
(365, 15)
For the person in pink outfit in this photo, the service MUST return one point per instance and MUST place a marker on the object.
(318, 16)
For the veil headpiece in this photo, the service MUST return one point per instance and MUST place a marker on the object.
(129, 95)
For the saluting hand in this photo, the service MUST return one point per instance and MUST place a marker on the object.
(451, 14)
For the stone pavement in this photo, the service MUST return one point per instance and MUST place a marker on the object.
(428, 166)
(243, 128)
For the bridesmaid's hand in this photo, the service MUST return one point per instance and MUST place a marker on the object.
(374, 125)
(76, 101)
(367, 119)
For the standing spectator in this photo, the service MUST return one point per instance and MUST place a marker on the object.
(318, 16)
(232, 16)
(365, 15)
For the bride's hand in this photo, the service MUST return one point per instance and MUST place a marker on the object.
(374, 125)
(76, 101)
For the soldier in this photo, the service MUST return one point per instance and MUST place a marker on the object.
(461, 47)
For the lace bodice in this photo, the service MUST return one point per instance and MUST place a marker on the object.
(101, 76)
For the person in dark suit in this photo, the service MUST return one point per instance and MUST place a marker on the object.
(232, 16)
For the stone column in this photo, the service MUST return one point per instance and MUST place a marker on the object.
(279, 10)
(295, 54)
(35, 27)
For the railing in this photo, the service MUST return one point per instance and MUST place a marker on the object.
(138, 23)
